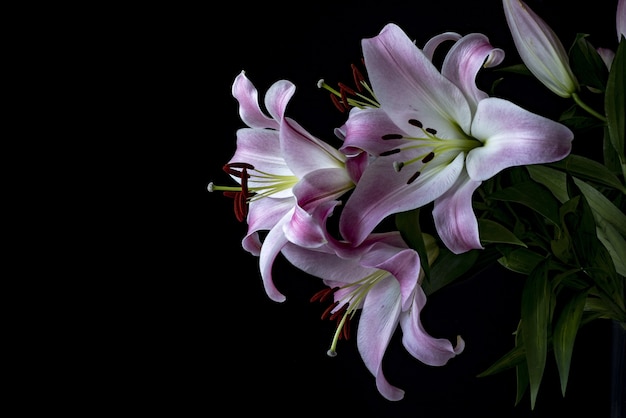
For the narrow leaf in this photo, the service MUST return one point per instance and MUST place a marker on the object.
(615, 102)
(565, 334)
(535, 320)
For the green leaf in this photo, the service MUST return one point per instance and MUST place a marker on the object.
(532, 195)
(492, 232)
(581, 226)
(521, 260)
(565, 334)
(586, 63)
(535, 312)
(554, 180)
(513, 358)
(615, 102)
(409, 226)
(521, 371)
(589, 169)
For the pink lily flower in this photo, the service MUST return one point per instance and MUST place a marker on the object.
(436, 136)
(380, 279)
(282, 171)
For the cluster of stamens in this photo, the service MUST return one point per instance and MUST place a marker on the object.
(430, 140)
(347, 97)
(241, 194)
(340, 317)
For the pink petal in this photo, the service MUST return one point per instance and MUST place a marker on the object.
(422, 346)
(513, 136)
(408, 85)
(378, 322)
(454, 216)
(465, 59)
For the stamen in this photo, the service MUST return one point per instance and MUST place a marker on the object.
(413, 177)
(228, 168)
(338, 104)
(210, 187)
(431, 131)
(415, 122)
(392, 136)
(429, 157)
(358, 77)
(323, 294)
(344, 97)
(339, 313)
(346, 330)
(343, 87)
(326, 314)
(390, 152)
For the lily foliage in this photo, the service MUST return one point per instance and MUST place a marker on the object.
(468, 178)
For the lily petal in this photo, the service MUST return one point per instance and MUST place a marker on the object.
(264, 214)
(513, 136)
(305, 153)
(454, 216)
(378, 321)
(422, 346)
(409, 86)
(248, 97)
(272, 245)
(382, 191)
(465, 59)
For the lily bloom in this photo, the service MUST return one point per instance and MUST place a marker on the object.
(436, 136)
(380, 279)
(282, 171)
(540, 48)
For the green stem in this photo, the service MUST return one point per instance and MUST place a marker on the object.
(582, 104)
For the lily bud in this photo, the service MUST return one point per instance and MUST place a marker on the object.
(540, 49)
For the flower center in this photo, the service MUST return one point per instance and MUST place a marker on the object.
(432, 146)
(346, 305)
(254, 184)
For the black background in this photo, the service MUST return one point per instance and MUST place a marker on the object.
(218, 345)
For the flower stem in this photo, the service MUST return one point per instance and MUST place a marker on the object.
(582, 104)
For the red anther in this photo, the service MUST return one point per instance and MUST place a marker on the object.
(228, 168)
(241, 165)
(339, 313)
(345, 331)
(349, 90)
(358, 78)
(337, 103)
(344, 98)
(323, 295)
(326, 314)
(240, 198)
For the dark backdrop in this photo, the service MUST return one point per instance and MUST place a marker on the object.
(232, 351)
